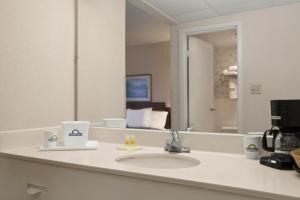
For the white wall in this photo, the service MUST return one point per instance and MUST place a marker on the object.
(37, 42)
(101, 59)
(270, 50)
(36, 63)
(152, 59)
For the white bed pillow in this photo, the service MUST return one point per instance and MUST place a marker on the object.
(140, 118)
(158, 119)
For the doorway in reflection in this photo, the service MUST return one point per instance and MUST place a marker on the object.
(212, 82)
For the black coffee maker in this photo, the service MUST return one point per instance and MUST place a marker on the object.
(285, 133)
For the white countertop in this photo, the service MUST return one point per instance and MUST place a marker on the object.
(217, 171)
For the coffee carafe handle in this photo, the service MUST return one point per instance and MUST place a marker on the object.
(265, 146)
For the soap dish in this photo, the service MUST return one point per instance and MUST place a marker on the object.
(90, 145)
(130, 148)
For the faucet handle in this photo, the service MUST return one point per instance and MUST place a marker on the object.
(190, 127)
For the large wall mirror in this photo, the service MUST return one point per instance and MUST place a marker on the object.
(157, 68)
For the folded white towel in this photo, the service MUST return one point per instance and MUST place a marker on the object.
(232, 68)
(227, 72)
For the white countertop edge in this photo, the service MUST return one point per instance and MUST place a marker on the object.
(204, 185)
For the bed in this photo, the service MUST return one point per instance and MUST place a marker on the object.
(156, 106)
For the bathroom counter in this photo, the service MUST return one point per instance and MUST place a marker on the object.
(217, 171)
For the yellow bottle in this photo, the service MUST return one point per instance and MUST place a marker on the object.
(132, 140)
(127, 140)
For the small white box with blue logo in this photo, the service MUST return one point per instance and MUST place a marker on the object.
(75, 133)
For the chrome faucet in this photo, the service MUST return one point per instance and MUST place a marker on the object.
(174, 145)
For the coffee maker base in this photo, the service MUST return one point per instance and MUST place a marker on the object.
(278, 161)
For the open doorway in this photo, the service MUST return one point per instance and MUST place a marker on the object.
(212, 81)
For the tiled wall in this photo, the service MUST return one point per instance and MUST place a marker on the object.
(226, 108)
(223, 58)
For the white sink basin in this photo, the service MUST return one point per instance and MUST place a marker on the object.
(159, 161)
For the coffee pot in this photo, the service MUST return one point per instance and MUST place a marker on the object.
(285, 134)
(282, 142)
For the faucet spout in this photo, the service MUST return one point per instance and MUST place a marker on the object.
(175, 135)
(174, 145)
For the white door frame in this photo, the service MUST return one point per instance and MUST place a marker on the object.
(183, 34)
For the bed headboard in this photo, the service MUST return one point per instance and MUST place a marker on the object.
(157, 106)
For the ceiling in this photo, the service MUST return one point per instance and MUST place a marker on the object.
(226, 38)
(189, 10)
(143, 28)
(147, 21)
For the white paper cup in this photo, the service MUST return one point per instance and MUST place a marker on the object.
(50, 138)
(75, 133)
(252, 146)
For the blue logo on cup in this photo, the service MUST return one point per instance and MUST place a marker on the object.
(75, 132)
(252, 148)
